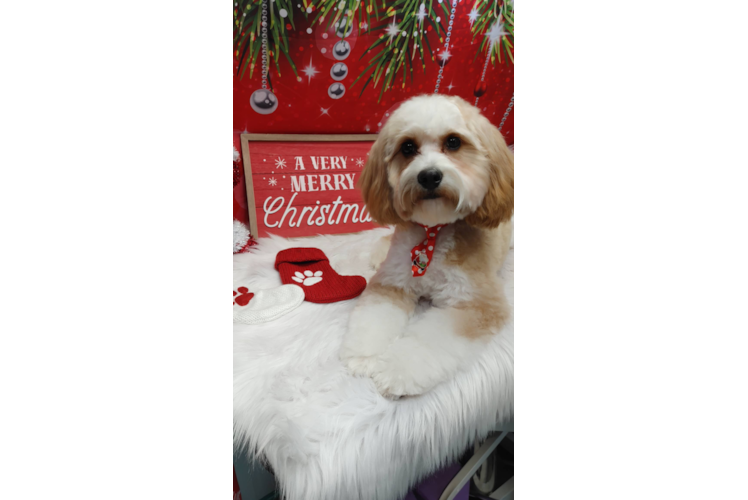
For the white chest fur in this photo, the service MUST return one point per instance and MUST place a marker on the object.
(443, 283)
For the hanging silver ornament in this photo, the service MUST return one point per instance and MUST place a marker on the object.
(263, 101)
(336, 90)
(343, 27)
(341, 50)
(339, 71)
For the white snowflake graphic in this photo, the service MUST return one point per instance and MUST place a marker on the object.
(280, 163)
(393, 29)
(359, 162)
(445, 55)
(309, 70)
(473, 15)
(496, 32)
(273, 181)
(421, 13)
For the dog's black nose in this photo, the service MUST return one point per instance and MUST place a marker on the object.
(430, 178)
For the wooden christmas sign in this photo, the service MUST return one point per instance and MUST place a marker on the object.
(304, 185)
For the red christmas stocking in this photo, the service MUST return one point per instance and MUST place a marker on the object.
(310, 269)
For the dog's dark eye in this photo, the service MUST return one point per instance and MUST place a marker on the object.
(453, 143)
(408, 148)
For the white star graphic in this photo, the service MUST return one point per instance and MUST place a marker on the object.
(473, 15)
(392, 30)
(450, 86)
(444, 56)
(310, 70)
(359, 162)
(324, 111)
(421, 13)
(496, 32)
(363, 26)
(280, 163)
(273, 181)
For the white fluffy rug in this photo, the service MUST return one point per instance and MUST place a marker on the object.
(328, 435)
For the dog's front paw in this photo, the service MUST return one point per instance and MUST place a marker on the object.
(398, 374)
(408, 368)
(360, 365)
(371, 329)
(394, 384)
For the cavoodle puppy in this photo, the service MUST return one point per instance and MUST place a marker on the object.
(442, 174)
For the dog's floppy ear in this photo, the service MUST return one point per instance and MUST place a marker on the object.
(375, 188)
(498, 204)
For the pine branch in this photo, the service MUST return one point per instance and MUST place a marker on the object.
(491, 12)
(248, 34)
(330, 11)
(393, 60)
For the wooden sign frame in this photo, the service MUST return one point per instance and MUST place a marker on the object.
(249, 184)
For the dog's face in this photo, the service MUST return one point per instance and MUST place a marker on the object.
(438, 160)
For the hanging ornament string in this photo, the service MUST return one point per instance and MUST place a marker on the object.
(445, 53)
(264, 44)
(481, 88)
(508, 110)
(263, 100)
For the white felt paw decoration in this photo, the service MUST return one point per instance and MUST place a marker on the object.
(307, 279)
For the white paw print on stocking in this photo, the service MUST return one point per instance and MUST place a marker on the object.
(307, 279)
